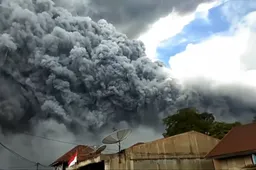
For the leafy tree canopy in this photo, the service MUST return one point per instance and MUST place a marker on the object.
(188, 119)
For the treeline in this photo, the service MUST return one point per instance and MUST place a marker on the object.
(188, 119)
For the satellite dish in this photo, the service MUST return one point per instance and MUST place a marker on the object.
(116, 137)
(100, 149)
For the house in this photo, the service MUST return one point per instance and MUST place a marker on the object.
(236, 150)
(83, 153)
(183, 151)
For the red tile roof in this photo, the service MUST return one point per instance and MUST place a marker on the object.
(83, 153)
(238, 141)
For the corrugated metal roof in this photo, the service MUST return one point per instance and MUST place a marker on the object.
(83, 152)
(239, 140)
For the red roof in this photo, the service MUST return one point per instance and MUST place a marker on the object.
(83, 152)
(240, 140)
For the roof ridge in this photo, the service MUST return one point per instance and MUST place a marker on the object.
(202, 134)
(246, 124)
(221, 141)
(180, 134)
(70, 150)
(170, 137)
(230, 142)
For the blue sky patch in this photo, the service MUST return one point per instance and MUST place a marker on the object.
(196, 31)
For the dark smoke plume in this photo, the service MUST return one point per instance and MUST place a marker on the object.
(74, 70)
(71, 78)
(81, 73)
(85, 74)
(131, 17)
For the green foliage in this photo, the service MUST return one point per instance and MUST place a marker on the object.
(188, 119)
(220, 129)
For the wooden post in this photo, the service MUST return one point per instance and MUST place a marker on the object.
(37, 165)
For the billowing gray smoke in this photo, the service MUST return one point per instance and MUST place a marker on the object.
(129, 16)
(83, 73)
(74, 70)
(65, 75)
(86, 75)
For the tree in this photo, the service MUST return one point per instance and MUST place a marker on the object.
(220, 129)
(188, 119)
(208, 117)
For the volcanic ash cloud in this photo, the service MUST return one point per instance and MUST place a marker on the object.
(74, 70)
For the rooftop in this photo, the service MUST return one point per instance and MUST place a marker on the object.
(239, 140)
(83, 152)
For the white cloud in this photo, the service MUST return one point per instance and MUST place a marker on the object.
(203, 10)
(228, 58)
(235, 10)
(169, 26)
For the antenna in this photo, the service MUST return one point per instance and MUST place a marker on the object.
(98, 150)
(117, 137)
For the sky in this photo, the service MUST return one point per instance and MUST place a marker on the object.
(215, 42)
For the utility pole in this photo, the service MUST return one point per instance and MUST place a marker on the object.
(37, 165)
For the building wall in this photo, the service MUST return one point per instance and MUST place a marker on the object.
(158, 164)
(232, 163)
(168, 164)
(187, 145)
(118, 162)
(184, 151)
